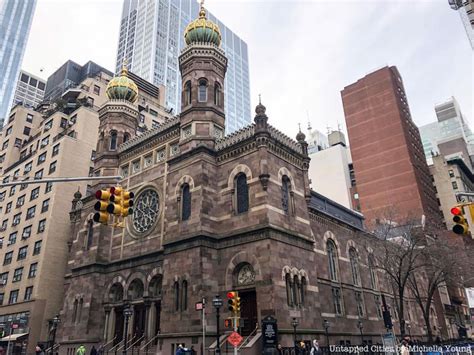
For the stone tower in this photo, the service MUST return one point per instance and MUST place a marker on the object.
(118, 122)
(203, 65)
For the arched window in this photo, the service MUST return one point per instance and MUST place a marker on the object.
(202, 91)
(289, 290)
(332, 255)
(74, 311)
(285, 194)
(187, 93)
(126, 137)
(354, 266)
(176, 296)
(217, 94)
(90, 234)
(135, 290)
(154, 289)
(116, 293)
(113, 140)
(81, 303)
(372, 274)
(184, 296)
(242, 191)
(296, 286)
(185, 202)
(303, 286)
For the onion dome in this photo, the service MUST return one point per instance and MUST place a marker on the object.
(202, 30)
(300, 136)
(122, 88)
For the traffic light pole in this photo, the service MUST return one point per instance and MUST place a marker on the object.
(60, 179)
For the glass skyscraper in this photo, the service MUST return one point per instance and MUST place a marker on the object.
(151, 38)
(15, 23)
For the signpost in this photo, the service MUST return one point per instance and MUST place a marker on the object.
(270, 335)
(201, 306)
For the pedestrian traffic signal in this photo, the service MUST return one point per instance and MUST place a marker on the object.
(461, 226)
(233, 300)
(101, 206)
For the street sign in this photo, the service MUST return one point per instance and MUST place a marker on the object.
(199, 306)
(235, 339)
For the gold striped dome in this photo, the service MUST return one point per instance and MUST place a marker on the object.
(202, 30)
(122, 88)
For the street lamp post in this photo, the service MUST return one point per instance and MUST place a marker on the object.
(55, 321)
(326, 328)
(127, 312)
(217, 303)
(409, 330)
(294, 324)
(360, 325)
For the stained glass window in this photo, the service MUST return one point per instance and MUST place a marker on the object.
(146, 210)
(331, 250)
(186, 202)
(242, 193)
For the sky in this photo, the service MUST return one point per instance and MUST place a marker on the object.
(301, 53)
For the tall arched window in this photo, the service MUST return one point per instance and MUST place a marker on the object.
(332, 256)
(242, 191)
(74, 311)
(289, 290)
(176, 296)
(90, 234)
(113, 140)
(303, 286)
(187, 93)
(185, 202)
(285, 194)
(184, 298)
(296, 288)
(354, 266)
(217, 94)
(202, 90)
(372, 274)
(126, 137)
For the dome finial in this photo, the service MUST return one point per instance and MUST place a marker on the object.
(300, 137)
(260, 109)
(202, 10)
(122, 87)
(202, 30)
(124, 71)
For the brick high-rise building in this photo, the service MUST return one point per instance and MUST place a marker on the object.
(389, 163)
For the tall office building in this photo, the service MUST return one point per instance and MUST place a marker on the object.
(466, 12)
(15, 23)
(451, 124)
(29, 90)
(389, 164)
(151, 38)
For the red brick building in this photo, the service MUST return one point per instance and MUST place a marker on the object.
(389, 163)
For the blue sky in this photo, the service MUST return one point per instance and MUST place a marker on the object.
(301, 53)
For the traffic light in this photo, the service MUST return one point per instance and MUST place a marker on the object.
(233, 300)
(101, 206)
(461, 226)
(127, 203)
(115, 205)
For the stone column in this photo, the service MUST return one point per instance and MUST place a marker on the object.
(152, 321)
(130, 324)
(111, 324)
(107, 310)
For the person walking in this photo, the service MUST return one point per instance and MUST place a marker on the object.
(315, 348)
(93, 350)
(81, 350)
(180, 350)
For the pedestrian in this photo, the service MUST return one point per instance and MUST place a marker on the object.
(101, 349)
(81, 350)
(280, 349)
(39, 350)
(193, 352)
(180, 350)
(301, 348)
(315, 348)
(404, 348)
(93, 350)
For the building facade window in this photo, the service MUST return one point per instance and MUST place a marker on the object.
(21, 201)
(16, 219)
(303, 286)
(34, 194)
(451, 173)
(74, 312)
(185, 202)
(42, 158)
(28, 167)
(289, 290)
(45, 206)
(285, 192)
(30, 212)
(187, 93)
(217, 94)
(8, 208)
(378, 306)
(13, 297)
(8, 258)
(360, 304)
(33, 270)
(37, 247)
(17, 274)
(353, 258)
(202, 90)
(55, 150)
(372, 272)
(41, 226)
(113, 140)
(455, 185)
(176, 296)
(22, 253)
(332, 259)
(12, 238)
(184, 295)
(52, 167)
(28, 293)
(2, 298)
(337, 300)
(242, 193)
(49, 187)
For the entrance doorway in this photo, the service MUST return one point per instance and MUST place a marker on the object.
(139, 317)
(248, 311)
(119, 324)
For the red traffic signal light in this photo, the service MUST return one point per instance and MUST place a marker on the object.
(457, 211)
(231, 295)
(234, 302)
(461, 225)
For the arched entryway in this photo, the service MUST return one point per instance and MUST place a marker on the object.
(243, 281)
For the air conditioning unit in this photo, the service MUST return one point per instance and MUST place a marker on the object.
(3, 282)
(25, 235)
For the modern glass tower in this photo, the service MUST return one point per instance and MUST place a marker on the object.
(15, 23)
(151, 38)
